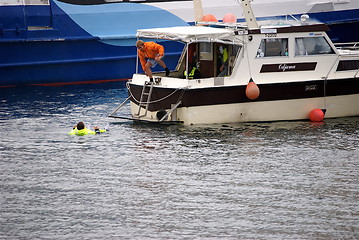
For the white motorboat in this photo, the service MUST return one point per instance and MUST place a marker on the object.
(275, 71)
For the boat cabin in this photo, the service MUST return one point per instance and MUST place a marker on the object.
(216, 52)
(205, 49)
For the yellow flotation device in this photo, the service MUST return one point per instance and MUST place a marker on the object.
(85, 131)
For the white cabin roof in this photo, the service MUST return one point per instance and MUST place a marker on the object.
(190, 34)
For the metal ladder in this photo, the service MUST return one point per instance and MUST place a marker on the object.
(145, 94)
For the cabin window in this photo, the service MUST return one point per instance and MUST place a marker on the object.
(273, 47)
(206, 51)
(312, 46)
(346, 65)
(212, 60)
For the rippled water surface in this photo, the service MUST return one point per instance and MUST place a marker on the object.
(281, 180)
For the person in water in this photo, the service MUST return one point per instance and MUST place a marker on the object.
(81, 130)
(151, 53)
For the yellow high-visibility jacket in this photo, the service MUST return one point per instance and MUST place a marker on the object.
(84, 131)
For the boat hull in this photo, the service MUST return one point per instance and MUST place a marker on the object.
(71, 62)
(277, 102)
(267, 111)
(60, 43)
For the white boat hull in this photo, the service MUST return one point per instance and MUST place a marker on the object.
(289, 110)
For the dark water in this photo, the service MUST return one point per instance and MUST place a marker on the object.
(283, 180)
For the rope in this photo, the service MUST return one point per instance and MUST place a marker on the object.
(245, 47)
(326, 81)
(151, 102)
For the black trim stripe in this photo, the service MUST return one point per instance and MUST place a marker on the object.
(236, 94)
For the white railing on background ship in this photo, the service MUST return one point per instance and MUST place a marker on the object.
(348, 45)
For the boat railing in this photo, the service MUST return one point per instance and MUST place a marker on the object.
(288, 16)
(347, 46)
(237, 26)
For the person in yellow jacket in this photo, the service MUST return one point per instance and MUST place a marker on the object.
(223, 61)
(81, 130)
(193, 74)
(151, 53)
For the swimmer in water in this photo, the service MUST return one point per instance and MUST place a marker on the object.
(81, 130)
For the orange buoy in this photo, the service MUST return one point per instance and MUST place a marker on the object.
(209, 18)
(230, 18)
(317, 115)
(252, 90)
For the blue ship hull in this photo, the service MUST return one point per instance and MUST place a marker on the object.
(71, 61)
(63, 43)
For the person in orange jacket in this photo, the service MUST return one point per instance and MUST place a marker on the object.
(151, 53)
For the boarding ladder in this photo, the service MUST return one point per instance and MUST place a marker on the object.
(145, 98)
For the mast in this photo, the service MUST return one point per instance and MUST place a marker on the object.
(248, 15)
(198, 10)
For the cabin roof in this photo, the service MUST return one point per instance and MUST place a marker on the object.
(200, 33)
(318, 27)
(190, 34)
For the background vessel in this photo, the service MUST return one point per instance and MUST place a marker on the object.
(52, 42)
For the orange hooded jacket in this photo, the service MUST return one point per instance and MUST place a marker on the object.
(151, 50)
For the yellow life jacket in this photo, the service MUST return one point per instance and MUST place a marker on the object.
(191, 74)
(225, 55)
(84, 131)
